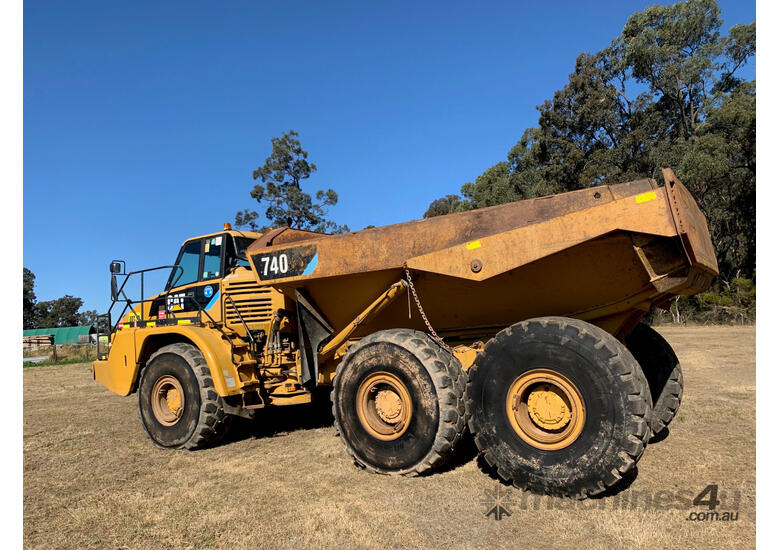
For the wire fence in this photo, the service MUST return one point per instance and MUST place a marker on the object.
(49, 352)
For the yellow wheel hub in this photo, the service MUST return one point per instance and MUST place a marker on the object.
(167, 400)
(384, 406)
(545, 409)
(549, 407)
(173, 399)
(388, 405)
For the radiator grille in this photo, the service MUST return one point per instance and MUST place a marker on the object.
(252, 300)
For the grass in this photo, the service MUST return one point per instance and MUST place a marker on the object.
(65, 352)
(93, 480)
(29, 364)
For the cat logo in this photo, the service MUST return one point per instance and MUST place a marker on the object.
(176, 301)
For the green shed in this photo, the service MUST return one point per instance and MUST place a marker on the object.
(65, 335)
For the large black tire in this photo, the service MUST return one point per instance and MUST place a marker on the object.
(613, 427)
(663, 372)
(203, 420)
(435, 382)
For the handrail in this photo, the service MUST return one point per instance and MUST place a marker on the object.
(129, 303)
(240, 317)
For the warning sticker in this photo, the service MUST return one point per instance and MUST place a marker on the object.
(645, 197)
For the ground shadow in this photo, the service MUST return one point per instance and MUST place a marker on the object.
(660, 436)
(465, 451)
(273, 421)
(491, 471)
(621, 485)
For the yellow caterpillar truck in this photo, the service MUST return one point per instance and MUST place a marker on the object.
(518, 322)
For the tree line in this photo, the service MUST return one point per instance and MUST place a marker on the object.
(664, 93)
(62, 312)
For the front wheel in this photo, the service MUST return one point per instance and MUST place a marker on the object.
(558, 406)
(177, 402)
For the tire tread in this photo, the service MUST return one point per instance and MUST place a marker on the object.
(213, 422)
(448, 378)
(631, 383)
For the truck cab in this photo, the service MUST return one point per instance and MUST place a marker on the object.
(202, 264)
(212, 301)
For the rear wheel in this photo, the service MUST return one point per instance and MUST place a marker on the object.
(663, 372)
(398, 403)
(177, 402)
(558, 406)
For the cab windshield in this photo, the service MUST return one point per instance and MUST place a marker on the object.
(189, 260)
(199, 260)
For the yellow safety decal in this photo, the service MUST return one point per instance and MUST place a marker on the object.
(644, 197)
(184, 322)
(473, 244)
(150, 324)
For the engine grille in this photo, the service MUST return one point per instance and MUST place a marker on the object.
(252, 300)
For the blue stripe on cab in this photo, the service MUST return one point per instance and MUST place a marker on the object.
(311, 267)
(213, 300)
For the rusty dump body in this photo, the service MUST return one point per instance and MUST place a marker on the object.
(604, 255)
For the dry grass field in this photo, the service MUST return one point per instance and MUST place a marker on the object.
(93, 480)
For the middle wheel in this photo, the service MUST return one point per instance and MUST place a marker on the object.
(398, 402)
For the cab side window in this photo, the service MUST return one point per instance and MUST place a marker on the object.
(212, 257)
(236, 252)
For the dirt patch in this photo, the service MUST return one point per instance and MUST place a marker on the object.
(93, 480)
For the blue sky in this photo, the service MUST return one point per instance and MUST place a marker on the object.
(143, 121)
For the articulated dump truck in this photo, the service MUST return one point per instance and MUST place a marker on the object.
(518, 323)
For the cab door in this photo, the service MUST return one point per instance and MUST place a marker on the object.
(197, 283)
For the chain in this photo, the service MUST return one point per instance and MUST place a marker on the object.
(422, 313)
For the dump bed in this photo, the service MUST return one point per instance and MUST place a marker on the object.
(604, 254)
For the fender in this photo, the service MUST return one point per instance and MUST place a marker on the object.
(121, 372)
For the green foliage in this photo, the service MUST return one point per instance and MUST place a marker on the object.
(28, 298)
(445, 205)
(732, 302)
(31, 364)
(62, 312)
(248, 219)
(89, 317)
(280, 191)
(663, 93)
(719, 168)
(497, 185)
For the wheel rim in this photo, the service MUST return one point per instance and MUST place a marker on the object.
(384, 406)
(545, 409)
(167, 400)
